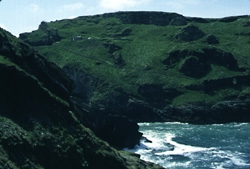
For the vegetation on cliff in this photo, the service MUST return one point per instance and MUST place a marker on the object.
(38, 124)
(137, 63)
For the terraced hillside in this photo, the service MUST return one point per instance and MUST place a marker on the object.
(153, 66)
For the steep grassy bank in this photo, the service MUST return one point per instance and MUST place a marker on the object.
(132, 63)
(38, 124)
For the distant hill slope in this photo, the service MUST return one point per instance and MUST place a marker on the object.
(153, 66)
(39, 127)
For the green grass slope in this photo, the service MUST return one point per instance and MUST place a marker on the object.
(159, 58)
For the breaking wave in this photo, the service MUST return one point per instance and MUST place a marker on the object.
(180, 146)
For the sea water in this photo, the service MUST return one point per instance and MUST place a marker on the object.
(185, 146)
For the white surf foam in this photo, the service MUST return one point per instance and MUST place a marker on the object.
(181, 149)
(239, 162)
(167, 151)
(145, 147)
(233, 158)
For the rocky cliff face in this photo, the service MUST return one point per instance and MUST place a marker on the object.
(38, 124)
(149, 18)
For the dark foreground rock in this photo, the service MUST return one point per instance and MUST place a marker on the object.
(38, 126)
(116, 129)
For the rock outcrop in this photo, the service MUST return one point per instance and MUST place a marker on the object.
(116, 129)
(198, 64)
(209, 86)
(190, 33)
(119, 131)
(212, 40)
(221, 112)
(154, 94)
(48, 36)
(114, 52)
(194, 67)
(154, 18)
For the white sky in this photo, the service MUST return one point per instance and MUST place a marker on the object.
(18, 16)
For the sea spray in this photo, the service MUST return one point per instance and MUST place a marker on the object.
(180, 146)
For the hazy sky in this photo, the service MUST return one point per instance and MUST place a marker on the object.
(18, 16)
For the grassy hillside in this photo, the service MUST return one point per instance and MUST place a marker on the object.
(143, 53)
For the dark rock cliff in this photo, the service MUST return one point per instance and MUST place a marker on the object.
(38, 125)
(103, 124)
(155, 18)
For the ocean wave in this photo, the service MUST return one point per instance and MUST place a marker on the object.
(177, 145)
(230, 159)
(160, 123)
(181, 149)
(144, 124)
(234, 124)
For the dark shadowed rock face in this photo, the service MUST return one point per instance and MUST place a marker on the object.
(154, 18)
(33, 63)
(39, 127)
(119, 131)
(190, 62)
(209, 86)
(194, 67)
(222, 58)
(222, 112)
(156, 95)
(212, 40)
(84, 84)
(99, 119)
(190, 33)
(114, 53)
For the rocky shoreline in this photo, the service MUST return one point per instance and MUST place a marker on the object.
(119, 115)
